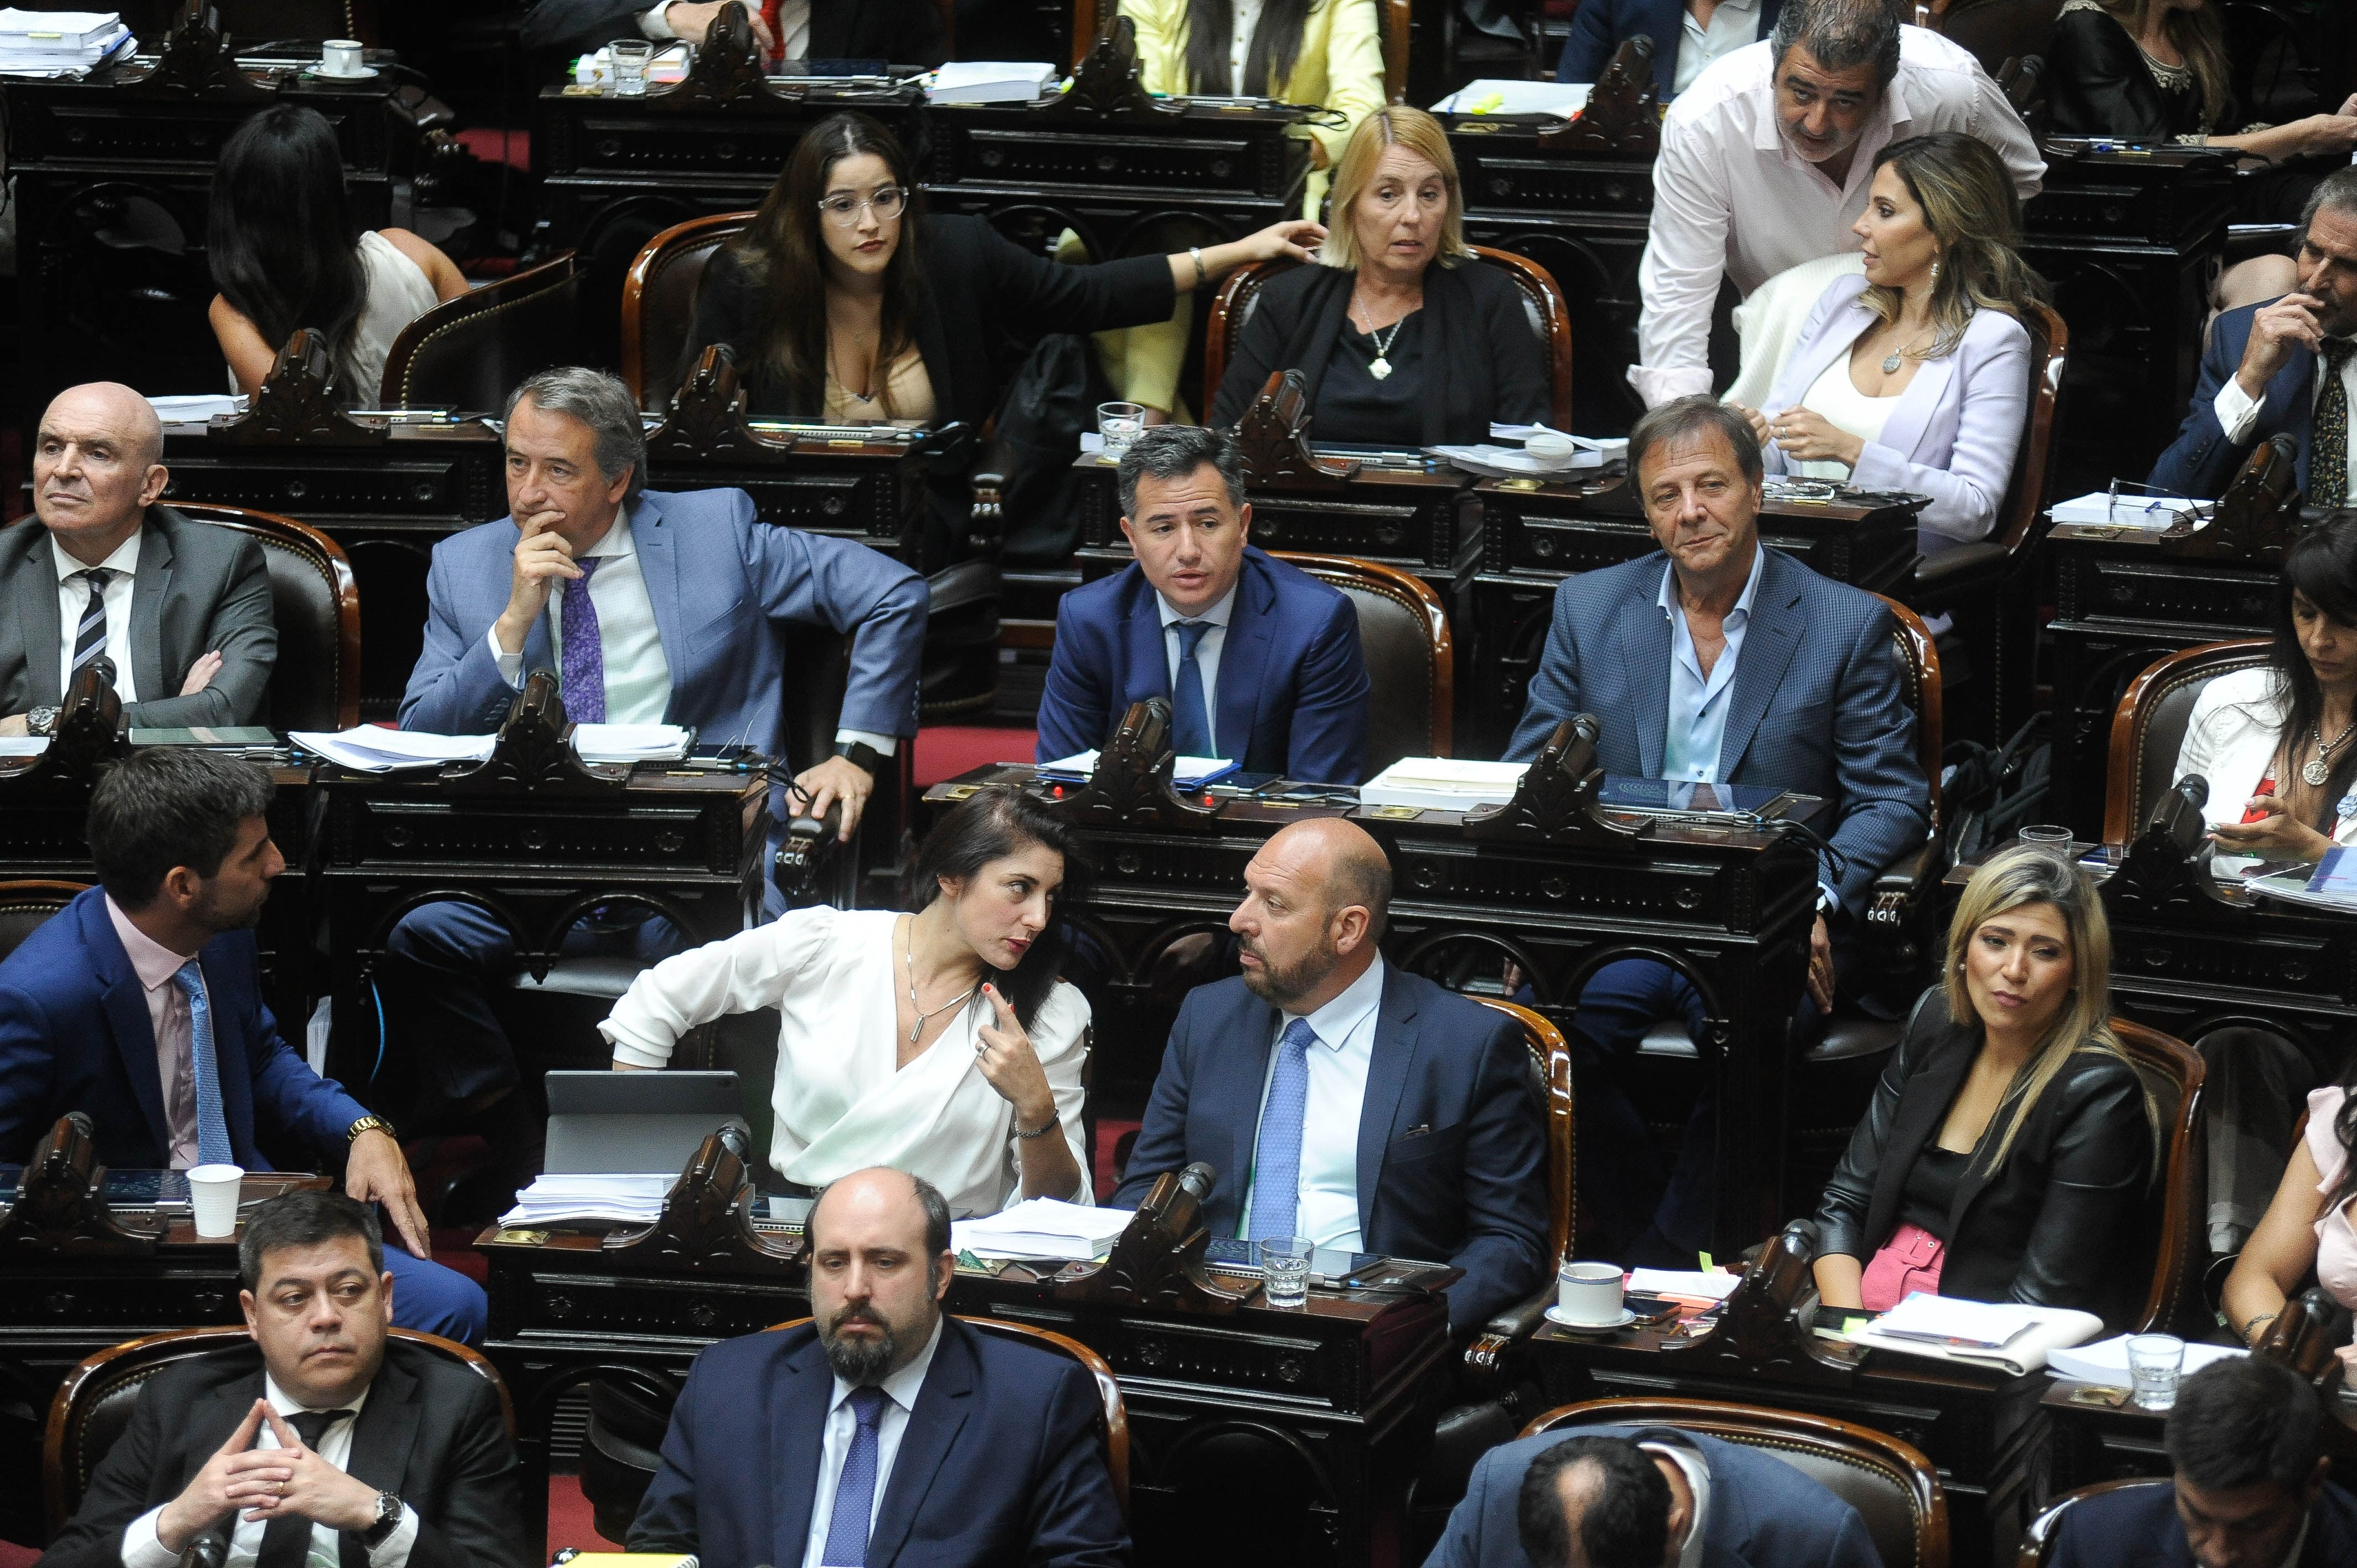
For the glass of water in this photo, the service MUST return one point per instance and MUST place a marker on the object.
(1119, 423)
(1285, 1269)
(630, 57)
(2154, 1362)
(2051, 837)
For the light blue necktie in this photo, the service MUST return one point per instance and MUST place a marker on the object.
(212, 1127)
(855, 1490)
(1276, 1157)
(1190, 719)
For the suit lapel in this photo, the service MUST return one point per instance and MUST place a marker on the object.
(1143, 648)
(1645, 640)
(797, 1431)
(124, 1001)
(942, 1404)
(37, 612)
(2296, 385)
(658, 571)
(382, 1440)
(1253, 1038)
(1912, 415)
(1387, 1074)
(1774, 631)
(1832, 341)
(149, 587)
(1244, 658)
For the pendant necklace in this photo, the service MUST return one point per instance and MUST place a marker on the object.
(2318, 769)
(909, 956)
(1381, 367)
(1892, 360)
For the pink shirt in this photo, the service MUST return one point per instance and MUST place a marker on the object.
(2336, 1242)
(167, 1014)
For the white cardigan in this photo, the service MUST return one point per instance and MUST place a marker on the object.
(842, 1103)
(2230, 740)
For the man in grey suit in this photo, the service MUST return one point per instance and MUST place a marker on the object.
(181, 609)
(1717, 660)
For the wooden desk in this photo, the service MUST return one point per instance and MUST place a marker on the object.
(2094, 1443)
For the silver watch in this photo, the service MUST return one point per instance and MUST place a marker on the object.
(388, 1515)
(41, 721)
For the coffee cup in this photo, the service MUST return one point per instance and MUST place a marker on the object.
(1588, 1293)
(341, 57)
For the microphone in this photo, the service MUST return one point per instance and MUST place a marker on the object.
(2177, 815)
(733, 1139)
(1198, 1178)
(2195, 789)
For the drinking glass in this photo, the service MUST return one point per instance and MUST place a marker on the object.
(2154, 1362)
(2048, 836)
(630, 57)
(1119, 423)
(1285, 1269)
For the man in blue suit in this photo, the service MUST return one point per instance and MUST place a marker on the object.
(1340, 1099)
(1259, 659)
(883, 1431)
(1716, 660)
(139, 1004)
(2285, 368)
(1688, 35)
(652, 609)
(1650, 1495)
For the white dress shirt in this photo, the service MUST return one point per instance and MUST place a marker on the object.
(167, 1017)
(1241, 27)
(1732, 198)
(901, 1391)
(1206, 656)
(1735, 23)
(1337, 1063)
(1697, 1473)
(73, 597)
(2238, 412)
(794, 22)
(142, 1550)
(1696, 720)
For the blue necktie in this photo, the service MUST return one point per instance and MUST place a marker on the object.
(1276, 1157)
(212, 1128)
(1190, 719)
(854, 1491)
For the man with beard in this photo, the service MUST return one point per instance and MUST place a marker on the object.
(322, 1440)
(1343, 1099)
(140, 1005)
(883, 1426)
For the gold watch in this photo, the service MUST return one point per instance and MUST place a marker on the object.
(369, 1124)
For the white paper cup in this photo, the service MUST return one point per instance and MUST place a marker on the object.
(341, 57)
(212, 1198)
(1588, 1293)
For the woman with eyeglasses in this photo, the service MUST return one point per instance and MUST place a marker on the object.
(844, 302)
(1403, 338)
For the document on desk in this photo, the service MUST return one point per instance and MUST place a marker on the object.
(2106, 1360)
(1185, 772)
(23, 745)
(1686, 1284)
(1443, 783)
(1497, 95)
(370, 749)
(2104, 510)
(1041, 1228)
(632, 742)
(2006, 1335)
(590, 1200)
(2331, 885)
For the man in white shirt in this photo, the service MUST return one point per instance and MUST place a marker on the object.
(1766, 161)
(323, 1439)
(883, 1424)
(2287, 367)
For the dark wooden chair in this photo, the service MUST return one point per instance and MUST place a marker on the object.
(658, 303)
(1551, 1086)
(2174, 1228)
(2037, 1541)
(1995, 31)
(1894, 1488)
(2149, 728)
(1403, 637)
(471, 353)
(1542, 304)
(316, 683)
(25, 906)
(92, 1407)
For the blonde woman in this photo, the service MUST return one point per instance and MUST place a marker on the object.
(1915, 374)
(1404, 337)
(2009, 1146)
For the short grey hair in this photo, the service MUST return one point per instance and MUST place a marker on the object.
(603, 403)
(1175, 452)
(2337, 191)
(1682, 418)
(1841, 34)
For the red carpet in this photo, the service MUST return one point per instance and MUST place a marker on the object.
(568, 1520)
(944, 751)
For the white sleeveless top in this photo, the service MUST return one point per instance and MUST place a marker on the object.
(1836, 397)
(398, 292)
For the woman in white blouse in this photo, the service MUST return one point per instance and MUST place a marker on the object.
(2277, 742)
(941, 1043)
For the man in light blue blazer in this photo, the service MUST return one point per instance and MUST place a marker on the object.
(1688, 36)
(651, 607)
(1718, 660)
(1259, 659)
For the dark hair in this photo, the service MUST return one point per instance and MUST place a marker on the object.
(603, 403)
(1686, 416)
(929, 1198)
(1175, 452)
(167, 806)
(1268, 63)
(279, 234)
(304, 1220)
(784, 255)
(1841, 34)
(2337, 191)
(2243, 1422)
(1626, 1523)
(2322, 566)
(994, 822)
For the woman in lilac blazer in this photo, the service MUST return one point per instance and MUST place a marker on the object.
(1916, 376)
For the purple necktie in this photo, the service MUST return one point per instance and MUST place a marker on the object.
(584, 654)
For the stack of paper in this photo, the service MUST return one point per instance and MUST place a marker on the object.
(1185, 772)
(590, 1200)
(23, 745)
(1494, 95)
(990, 82)
(1686, 1284)
(1998, 1334)
(60, 43)
(2106, 1360)
(1041, 1228)
(632, 743)
(196, 408)
(370, 750)
(2331, 885)
(1495, 462)
(1442, 783)
(2137, 510)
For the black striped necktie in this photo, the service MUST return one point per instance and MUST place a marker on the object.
(90, 638)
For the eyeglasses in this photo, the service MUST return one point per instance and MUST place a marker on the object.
(843, 210)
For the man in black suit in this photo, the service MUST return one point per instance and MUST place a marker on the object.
(180, 608)
(320, 1439)
(2249, 1492)
(899, 32)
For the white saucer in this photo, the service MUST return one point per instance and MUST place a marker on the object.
(363, 74)
(1555, 1316)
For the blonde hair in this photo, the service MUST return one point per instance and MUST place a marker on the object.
(2023, 875)
(1395, 125)
(1968, 203)
(2199, 35)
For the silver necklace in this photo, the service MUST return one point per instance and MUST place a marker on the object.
(909, 956)
(1892, 360)
(2318, 769)
(1381, 367)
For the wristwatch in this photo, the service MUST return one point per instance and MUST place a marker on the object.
(863, 755)
(388, 1516)
(41, 721)
(369, 1124)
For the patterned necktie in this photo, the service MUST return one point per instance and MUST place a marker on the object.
(1276, 1157)
(583, 659)
(89, 637)
(2328, 437)
(1190, 718)
(855, 1490)
(287, 1542)
(212, 1127)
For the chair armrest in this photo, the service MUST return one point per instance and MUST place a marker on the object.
(1488, 1374)
(1904, 882)
(1964, 566)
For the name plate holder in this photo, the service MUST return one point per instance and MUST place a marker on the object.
(1766, 1323)
(1623, 115)
(296, 405)
(2257, 519)
(1557, 801)
(1158, 1260)
(706, 1223)
(534, 753)
(61, 1208)
(1132, 786)
(1274, 436)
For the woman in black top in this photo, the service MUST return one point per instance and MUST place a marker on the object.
(2155, 71)
(2009, 1146)
(1403, 338)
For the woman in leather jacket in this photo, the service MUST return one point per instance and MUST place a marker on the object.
(2010, 1141)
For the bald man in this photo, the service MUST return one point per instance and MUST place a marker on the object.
(883, 1430)
(181, 609)
(1345, 1100)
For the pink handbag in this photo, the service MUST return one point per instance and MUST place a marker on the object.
(1909, 1262)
